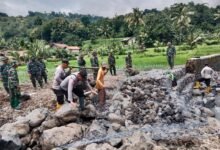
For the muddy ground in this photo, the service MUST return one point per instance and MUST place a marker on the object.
(41, 98)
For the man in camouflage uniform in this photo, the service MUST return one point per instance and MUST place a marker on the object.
(43, 70)
(171, 53)
(34, 71)
(4, 72)
(94, 63)
(111, 62)
(81, 62)
(13, 85)
(128, 61)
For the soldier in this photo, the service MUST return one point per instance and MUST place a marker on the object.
(43, 70)
(94, 63)
(171, 53)
(13, 85)
(128, 61)
(34, 71)
(111, 62)
(81, 61)
(4, 72)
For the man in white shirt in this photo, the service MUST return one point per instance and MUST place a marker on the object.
(59, 76)
(74, 85)
(207, 74)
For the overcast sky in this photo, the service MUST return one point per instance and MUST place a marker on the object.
(107, 8)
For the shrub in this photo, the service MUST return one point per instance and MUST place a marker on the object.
(184, 47)
(212, 42)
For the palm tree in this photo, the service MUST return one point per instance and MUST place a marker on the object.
(182, 19)
(135, 19)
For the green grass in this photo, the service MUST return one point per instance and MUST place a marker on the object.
(142, 61)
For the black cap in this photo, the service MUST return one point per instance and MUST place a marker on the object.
(83, 73)
(65, 61)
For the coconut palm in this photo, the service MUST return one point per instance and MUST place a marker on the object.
(135, 18)
(182, 19)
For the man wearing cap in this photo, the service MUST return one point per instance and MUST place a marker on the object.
(60, 75)
(94, 63)
(34, 71)
(43, 70)
(4, 72)
(103, 70)
(13, 85)
(171, 53)
(111, 62)
(72, 85)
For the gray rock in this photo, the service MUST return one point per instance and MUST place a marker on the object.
(67, 113)
(37, 116)
(17, 128)
(51, 123)
(217, 100)
(116, 126)
(95, 146)
(61, 135)
(197, 92)
(207, 111)
(116, 119)
(96, 129)
(115, 141)
(217, 112)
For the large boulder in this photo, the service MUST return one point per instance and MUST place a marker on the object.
(112, 117)
(17, 128)
(37, 116)
(61, 135)
(67, 113)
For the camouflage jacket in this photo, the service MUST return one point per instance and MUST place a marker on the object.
(34, 67)
(171, 51)
(81, 63)
(111, 60)
(13, 81)
(94, 62)
(4, 72)
(42, 65)
(128, 61)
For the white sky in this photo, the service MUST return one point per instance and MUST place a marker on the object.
(107, 8)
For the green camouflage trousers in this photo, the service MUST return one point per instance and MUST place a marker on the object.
(14, 97)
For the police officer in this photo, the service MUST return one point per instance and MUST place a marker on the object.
(81, 61)
(111, 62)
(94, 63)
(34, 71)
(43, 70)
(13, 85)
(171, 53)
(128, 61)
(4, 72)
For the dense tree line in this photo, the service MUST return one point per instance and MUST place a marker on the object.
(180, 23)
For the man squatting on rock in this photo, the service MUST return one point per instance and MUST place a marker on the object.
(74, 85)
(206, 74)
(59, 76)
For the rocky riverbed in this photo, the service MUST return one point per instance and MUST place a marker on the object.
(142, 112)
